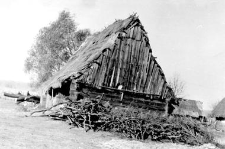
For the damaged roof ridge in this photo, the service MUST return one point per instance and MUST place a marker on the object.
(94, 46)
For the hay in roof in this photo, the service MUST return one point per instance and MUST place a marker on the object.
(119, 55)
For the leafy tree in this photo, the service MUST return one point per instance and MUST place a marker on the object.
(53, 47)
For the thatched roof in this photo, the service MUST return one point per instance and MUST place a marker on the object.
(90, 50)
(118, 55)
(219, 109)
(189, 107)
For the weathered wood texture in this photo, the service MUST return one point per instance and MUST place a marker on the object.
(120, 56)
(129, 63)
(13, 95)
(118, 97)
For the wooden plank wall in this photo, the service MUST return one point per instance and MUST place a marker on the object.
(129, 63)
(118, 97)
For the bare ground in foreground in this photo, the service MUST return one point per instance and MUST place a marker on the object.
(21, 132)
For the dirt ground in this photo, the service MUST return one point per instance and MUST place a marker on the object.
(20, 132)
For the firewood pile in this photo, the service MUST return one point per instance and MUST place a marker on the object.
(93, 114)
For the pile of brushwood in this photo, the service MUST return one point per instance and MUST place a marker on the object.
(92, 114)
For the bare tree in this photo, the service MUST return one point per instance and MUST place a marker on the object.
(213, 107)
(177, 85)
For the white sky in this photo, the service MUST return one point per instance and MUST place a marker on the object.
(187, 36)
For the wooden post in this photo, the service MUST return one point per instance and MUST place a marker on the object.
(52, 93)
(121, 98)
(166, 107)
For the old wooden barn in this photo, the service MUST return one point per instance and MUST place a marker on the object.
(116, 64)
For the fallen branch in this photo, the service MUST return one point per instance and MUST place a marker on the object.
(48, 109)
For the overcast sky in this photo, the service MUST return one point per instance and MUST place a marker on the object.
(187, 36)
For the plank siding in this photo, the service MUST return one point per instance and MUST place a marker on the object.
(119, 55)
(141, 57)
(116, 66)
(139, 63)
(129, 63)
(109, 70)
(120, 60)
(149, 77)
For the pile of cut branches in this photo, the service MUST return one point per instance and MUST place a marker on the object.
(130, 122)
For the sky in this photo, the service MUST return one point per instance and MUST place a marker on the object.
(186, 36)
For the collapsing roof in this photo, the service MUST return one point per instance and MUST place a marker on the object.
(119, 55)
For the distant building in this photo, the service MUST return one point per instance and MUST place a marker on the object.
(187, 107)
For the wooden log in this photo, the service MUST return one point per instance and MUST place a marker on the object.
(127, 100)
(13, 95)
(107, 90)
(148, 105)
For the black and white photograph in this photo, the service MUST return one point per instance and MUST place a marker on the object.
(112, 74)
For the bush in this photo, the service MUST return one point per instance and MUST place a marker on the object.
(138, 124)
(133, 123)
